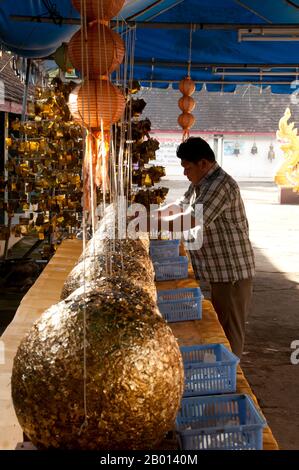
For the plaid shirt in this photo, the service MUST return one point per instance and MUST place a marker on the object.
(226, 254)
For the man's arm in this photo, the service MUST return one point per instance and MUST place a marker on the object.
(172, 218)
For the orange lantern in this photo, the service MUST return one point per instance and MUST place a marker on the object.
(186, 121)
(97, 103)
(99, 9)
(104, 49)
(187, 86)
(186, 104)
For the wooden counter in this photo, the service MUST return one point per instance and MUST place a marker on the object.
(46, 291)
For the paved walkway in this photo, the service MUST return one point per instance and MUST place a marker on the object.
(274, 320)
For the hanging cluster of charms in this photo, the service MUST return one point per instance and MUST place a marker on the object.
(143, 149)
(44, 168)
(186, 103)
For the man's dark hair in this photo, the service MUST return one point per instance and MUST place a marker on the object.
(195, 149)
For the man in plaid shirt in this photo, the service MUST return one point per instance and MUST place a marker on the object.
(226, 257)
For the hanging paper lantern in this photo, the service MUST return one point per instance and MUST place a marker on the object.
(98, 104)
(97, 101)
(99, 9)
(103, 52)
(186, 104)
(187, 86)
(186, 121)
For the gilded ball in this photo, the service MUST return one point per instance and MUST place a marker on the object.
(138, 269)
(134, 374)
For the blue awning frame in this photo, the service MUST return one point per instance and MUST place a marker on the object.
(232, 40)
(221, 59)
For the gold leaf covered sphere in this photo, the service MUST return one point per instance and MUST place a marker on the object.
(134, 373)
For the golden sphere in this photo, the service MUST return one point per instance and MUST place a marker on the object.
(137, 268)
(134, 374)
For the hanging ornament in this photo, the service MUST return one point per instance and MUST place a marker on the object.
(96, 51)
(236, 149)
(106, 50)
(99, 9)
(186, 103)
(271, 153)
(147, 180)
(186, 121)
(98, 104)
(254, 150)
(187, 86)
(97, 101)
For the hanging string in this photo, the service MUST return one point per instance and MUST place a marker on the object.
(111, 242)
(85, 422)
(120, 159)
(91, 146)
(132, 55)
(190, 51)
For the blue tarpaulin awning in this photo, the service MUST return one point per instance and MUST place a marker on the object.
(33, 38)
(233, 42)
(221, 57)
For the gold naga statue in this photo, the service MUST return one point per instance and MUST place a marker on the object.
(288, 173)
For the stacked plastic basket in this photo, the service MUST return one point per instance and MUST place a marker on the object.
(167, 262)
(211, 416)
(226, 422)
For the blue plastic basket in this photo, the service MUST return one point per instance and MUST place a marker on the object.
(224, 422)
(180, 304)
(168, 269)
(209, 368)
(161, 249)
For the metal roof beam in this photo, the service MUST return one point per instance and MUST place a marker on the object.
(218, 82)
(258, 74)
(162, 25)
(259, 27)
(201, 65)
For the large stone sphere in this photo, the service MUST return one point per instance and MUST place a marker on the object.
(134, 374)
